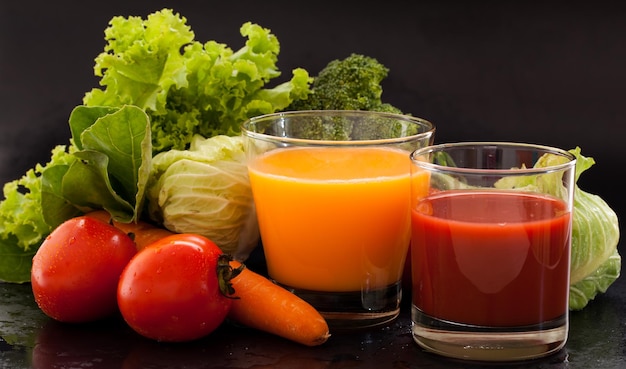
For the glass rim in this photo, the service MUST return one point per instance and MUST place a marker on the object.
(569, 164)
(426, 124)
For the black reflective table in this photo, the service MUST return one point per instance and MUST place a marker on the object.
(29, 339)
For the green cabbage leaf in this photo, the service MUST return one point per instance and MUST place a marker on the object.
(596, 262)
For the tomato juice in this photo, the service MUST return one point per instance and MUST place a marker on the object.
(491, 258)
(333, 219)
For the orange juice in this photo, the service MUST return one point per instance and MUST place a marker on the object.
(333, 219)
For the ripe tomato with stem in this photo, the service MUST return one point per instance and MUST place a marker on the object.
(176, 289)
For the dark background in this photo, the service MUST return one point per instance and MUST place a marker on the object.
(540, 72)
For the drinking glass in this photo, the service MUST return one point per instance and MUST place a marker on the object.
(332, 196)
(490, 250)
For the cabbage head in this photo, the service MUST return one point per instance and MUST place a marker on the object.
(596, 263)
(595, 260)
(205, 190)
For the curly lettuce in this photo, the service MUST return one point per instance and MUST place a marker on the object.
(22, 222)
(188, 87)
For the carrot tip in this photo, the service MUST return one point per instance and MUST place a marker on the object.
(320, 340)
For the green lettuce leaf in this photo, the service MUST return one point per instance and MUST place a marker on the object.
(115, 158)
(58, 209)
(22, 222)
(15, 262)
(106, 166)
(207, 89)
(92, 169)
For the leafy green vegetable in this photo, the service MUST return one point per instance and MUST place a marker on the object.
(22, 224)
(208, 89)
(548, 183)
(595, 263)
(160, 89)
(585, 290)
(105, 166)
(115, 156)
(206, 190)
(57, 209)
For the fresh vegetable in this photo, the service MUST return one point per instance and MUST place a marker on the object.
(596, 262)
(114, 154)
(353, 83)
(76, 270)
(263, 305)
(22, 223)
(188, 87)
(256, 301)
(206, 190)
(105, 167)
(173, 290)
(160, 88)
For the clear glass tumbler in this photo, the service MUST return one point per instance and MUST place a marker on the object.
(490, 251)
(332, 191)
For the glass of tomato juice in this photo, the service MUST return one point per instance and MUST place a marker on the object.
(332, 197)
(490, 249)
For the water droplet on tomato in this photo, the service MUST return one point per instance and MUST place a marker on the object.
(148, 290)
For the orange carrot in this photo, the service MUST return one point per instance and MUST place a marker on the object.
(263, 305)
(142, 232)
(258, 303)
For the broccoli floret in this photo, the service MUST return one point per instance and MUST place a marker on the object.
(353, 83)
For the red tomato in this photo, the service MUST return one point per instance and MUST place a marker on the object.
(170, 290)
(76, 270)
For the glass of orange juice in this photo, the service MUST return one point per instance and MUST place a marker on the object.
(332, 196)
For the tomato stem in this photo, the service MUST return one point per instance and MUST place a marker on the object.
(225, 273)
